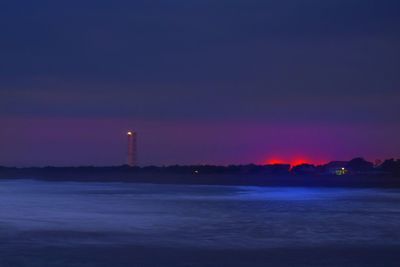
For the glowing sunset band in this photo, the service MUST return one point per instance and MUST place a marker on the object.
(292, 162)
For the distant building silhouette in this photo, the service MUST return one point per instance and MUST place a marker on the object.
(132, 148)
(336, 167)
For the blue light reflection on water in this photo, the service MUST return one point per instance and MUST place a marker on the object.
(196, 216)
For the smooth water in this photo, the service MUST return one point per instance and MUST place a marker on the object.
(79, 222)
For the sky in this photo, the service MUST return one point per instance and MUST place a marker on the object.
(202, 82)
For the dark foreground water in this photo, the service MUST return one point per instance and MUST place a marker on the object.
(45, 224)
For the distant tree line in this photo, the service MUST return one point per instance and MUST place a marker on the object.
(354, 166)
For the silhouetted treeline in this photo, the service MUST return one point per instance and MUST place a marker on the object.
(354, 166)
(356, 172)
(390, 166)
(175, 169)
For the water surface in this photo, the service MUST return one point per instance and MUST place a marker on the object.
(123, 224)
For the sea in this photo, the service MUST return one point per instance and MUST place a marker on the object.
(88, 224)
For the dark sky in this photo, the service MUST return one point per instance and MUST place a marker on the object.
(220, 81)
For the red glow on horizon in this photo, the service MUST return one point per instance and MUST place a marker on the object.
(275, 161)
(293, 161)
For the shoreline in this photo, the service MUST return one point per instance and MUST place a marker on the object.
(238, 179)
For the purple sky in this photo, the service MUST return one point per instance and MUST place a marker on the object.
(75, 141)
(214, 82)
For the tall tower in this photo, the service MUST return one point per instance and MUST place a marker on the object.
(132, 149)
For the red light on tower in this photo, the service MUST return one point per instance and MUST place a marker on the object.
(132, 149)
